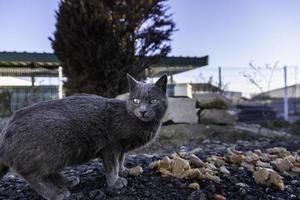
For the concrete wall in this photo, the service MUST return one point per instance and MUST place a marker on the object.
(293, 92)
(183, 90)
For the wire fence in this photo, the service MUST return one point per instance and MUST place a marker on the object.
(21, 87)
(265, 85)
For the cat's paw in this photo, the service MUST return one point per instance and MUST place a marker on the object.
(120, 183)
(64, 194)
(124, 171)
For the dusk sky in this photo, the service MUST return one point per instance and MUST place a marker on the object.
(231, 32)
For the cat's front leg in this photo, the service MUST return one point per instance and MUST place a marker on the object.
(110, 161)
(123, 171)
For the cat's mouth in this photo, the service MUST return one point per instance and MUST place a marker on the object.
(145, 119)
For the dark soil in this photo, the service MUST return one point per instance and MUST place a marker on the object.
(150, 185)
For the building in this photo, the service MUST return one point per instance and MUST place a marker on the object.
(27, 78)
(275, 98)
(293, 91)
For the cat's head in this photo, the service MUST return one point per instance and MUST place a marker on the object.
(147, 101)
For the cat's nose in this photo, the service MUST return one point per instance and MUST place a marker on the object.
(143, 113)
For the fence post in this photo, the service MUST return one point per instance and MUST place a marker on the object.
(220, 80)
(286, 103)
(60, 82)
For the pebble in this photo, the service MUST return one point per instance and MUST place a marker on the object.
(242, 185)
(224, 170)
(268, 177)
(135, 171)
(263, 164)
(248, 166)
(194, 186)
(194, 160)
(219, 197)
(251, 157)
(283, 164)
(197, 195)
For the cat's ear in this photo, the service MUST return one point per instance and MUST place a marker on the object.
(131, 82)
(162, 83)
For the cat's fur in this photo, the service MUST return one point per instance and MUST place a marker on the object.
(41, 139)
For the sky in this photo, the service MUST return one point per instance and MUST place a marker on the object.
(232, 32)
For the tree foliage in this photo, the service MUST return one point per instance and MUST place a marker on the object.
(99, 41)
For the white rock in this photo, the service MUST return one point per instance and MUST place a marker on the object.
(217, 116)
(283, 164)
(194, 160)
(135, 171)
(251, 157)
(296, 169)
(181, 110)
(249, 166)
(224, 170)
(263, 164)
(280, 151)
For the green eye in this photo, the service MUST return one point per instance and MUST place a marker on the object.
(153, 101)
(136, 101)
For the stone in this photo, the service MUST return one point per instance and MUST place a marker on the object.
(251, 157)
(268, 157)
(154, 165)
(135, 171)
(295, 169)
(292, 159)
(231, 150)
(216, 116)
(164, 172)
(179, 166)
(181, 110)
(208, 98)
(258, 152)
(280, 151)
(224, 171)
(209, 175)
(276, 180)
(297, 164)
(219, 197)
(194, 186)
(236, 159)
(210, 166)
(283, 164)
(191, 174)
(194, 160)
(197, 195)
(263, 164)
(165, 163)
(243, 185)
(268, 177)
(290, 173)
(216, 160)
(248, 166)
(261, 176)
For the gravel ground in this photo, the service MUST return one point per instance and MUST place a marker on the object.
(150, 185)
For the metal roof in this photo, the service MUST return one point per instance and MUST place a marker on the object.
(14, 63)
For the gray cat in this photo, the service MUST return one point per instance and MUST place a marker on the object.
(41, 139)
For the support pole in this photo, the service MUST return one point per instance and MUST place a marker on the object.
(220, 80)
(60, 82)
(286, 105)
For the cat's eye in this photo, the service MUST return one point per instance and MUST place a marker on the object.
(136, 101)
(153, 101)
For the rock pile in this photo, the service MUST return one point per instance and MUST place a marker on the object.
(266, 167)
(189, 166)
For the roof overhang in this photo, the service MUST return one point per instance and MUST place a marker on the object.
(175, 65)
(46, 64)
